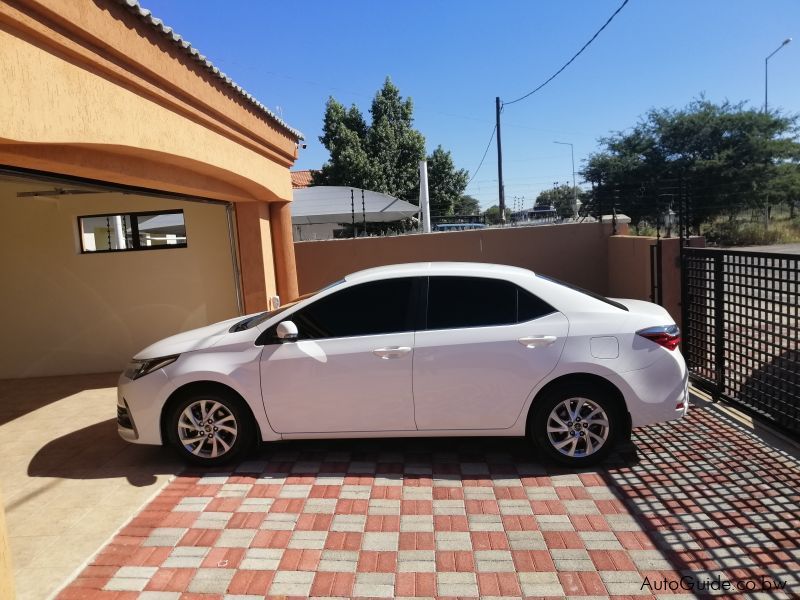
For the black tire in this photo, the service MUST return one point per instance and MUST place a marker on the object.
(226, 410)
(585, 434)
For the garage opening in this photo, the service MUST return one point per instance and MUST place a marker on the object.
(94, 272)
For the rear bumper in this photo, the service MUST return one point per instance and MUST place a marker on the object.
(659, 392)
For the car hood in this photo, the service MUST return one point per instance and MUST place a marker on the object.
(196, 339)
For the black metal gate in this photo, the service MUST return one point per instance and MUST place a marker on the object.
(741, 312)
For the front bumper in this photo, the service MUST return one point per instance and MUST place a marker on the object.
(141, 401)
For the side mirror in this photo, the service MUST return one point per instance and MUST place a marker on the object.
(286, 331)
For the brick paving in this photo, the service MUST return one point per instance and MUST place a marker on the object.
(700, 499)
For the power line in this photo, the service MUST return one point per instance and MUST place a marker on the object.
(485, 152)
(577, 54)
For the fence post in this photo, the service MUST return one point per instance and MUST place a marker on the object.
(719, 323)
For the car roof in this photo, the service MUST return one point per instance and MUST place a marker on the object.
(464, 269)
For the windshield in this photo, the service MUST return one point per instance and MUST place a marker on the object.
(256, 320)
(585, 292)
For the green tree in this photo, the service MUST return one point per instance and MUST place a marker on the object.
(724, 156)
(466, 205)
(561, 197)
(383, 155)
(492, 215)
(446, 184)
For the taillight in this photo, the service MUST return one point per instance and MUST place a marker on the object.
(668, 336)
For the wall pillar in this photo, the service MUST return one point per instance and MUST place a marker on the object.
(283, 250)
(255, 254)
(6, 572)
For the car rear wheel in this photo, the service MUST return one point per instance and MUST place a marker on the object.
(210, 428)
(576, 424)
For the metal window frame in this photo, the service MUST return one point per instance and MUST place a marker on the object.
(133, 216)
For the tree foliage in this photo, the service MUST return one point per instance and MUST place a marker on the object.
(384, 155)
(467, 205)
(492, 215)
(722, 155)
(446, 184)
(562, 198)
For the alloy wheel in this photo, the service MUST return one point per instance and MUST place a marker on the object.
(577, 427)
(207, 429)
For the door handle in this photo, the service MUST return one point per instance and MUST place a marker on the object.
(391, 352)
(536, 341)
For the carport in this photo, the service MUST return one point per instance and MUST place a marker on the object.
(143, 191)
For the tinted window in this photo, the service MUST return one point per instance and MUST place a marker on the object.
(455, 302)
(367, 309)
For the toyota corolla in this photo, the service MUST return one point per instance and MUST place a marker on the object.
(428, 349)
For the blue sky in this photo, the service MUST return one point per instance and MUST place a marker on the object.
(453, 58)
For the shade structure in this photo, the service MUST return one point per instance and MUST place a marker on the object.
(331, 204)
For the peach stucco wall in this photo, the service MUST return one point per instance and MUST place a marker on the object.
(577, 253)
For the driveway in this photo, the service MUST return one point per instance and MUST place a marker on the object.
(693, 506)
(68, 482)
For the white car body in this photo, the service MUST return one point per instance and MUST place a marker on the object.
(477, 381)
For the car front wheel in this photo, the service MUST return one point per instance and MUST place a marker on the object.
(576, 424)
(210, 428)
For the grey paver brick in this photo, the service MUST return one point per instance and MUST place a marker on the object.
(280, 521)
(416, 561)
(486, 523)
(543, 583)
(572, 560)
(212, 520)
(449, 507)
(349, 523)
(211, 581)
(600, 540)
(384, 507)
(374, 585)
(186, 557)
(453, 540)
(382, 541)
(494, 561)
(151, 595)
(581, 507)
(473, 492)
(320, 505)
(526, 540)
(261, 559)
(417, 493)
(236, 538)
(294, 491)
(515, 507)
(456, 584)
(255, 505)
(355, 492)
(623, 523)
(312, 540)
(541, 493)
(165, 536)
(554, 523)
(650, 560)
(416, 523)
(338, 561)
(192, 504)
(291, 583)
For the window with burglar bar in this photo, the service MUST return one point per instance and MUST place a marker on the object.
(132, 231)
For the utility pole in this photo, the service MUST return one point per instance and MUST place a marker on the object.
(502, 194)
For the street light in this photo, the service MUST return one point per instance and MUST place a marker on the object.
(766, 69)
(574, 187)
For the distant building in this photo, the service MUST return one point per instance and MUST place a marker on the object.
(302, 179)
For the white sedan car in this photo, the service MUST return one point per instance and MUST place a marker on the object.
(428, 349)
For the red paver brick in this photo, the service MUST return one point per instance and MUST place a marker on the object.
(254, 583)
(271, 539)
(200, 537)
(489, 540)
(245, 520)
(416, 507)
(370, 561)
(582, 583)
(458, 560)
(563, 539)
(297, 559)
(170, 580)
(589, 523)
(532, 560)
(498, 584)
(386, 492)
(314, 522)
(520, 523)
(415, 584)
(377, 523)
(333, 584)
(450, 523)
(343, 540)
(417, 540)
(612, 560)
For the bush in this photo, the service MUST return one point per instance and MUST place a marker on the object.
(731, 233)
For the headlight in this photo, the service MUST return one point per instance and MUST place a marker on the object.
(140, 368)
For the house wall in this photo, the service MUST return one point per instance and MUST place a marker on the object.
(575, 252)
(65, 312)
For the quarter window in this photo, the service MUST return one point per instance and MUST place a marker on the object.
(372, 308)
(459, 302)
(132, 231)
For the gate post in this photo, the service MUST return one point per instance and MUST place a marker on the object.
(719, 323)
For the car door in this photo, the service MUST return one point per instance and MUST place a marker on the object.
(350, 368)
(485, 345)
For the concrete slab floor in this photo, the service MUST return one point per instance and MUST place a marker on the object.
(68, 481)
